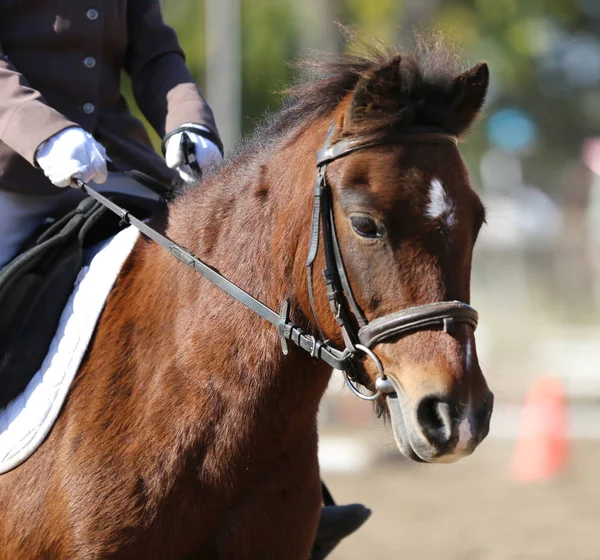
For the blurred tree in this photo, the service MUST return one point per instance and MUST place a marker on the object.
(270, 38)
(316, 23)
(544, 56)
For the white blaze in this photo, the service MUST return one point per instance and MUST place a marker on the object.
(440, 206)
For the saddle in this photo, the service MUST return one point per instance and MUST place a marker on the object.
(36, 284)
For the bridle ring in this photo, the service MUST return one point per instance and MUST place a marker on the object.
(383, 384)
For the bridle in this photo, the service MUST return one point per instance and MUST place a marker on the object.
(343, 304)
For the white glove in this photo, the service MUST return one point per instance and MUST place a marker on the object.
(206, 152)
(71, 153)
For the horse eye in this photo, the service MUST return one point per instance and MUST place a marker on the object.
(365, 226)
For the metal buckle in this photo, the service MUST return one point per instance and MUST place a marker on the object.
(284, 317)
(321, 179)
(312, 351)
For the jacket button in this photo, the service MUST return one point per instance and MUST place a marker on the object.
(88, 108)
(89, 61)
(92, 14)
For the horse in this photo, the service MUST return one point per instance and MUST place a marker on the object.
(188, 432)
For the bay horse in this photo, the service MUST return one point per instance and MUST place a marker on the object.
(188, 433)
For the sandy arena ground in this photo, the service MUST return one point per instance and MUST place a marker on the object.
(472, 510)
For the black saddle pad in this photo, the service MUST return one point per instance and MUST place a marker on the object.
(36, 284)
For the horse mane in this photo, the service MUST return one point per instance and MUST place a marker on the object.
(412, 87)
(406, 88)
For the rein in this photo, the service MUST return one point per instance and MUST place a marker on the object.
(339, 293)
(287, 330)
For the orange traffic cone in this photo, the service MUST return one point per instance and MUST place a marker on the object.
(541, 449)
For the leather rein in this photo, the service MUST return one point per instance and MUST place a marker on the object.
(343, 304)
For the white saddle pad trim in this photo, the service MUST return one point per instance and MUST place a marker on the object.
(27, 420)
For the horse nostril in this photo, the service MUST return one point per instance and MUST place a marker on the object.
(435, 419)
(483, 414)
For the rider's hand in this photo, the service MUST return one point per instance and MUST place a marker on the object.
(71, 153)
(205, 152)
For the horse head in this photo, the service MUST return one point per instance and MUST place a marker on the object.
(406, 220)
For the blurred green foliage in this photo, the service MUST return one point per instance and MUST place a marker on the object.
(531, 46)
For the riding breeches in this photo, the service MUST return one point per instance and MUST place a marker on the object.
(22, 214)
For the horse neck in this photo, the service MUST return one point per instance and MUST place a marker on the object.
(251, 222)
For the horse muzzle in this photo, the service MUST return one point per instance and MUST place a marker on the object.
(436, 428)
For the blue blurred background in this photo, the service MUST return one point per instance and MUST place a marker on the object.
(535, 159)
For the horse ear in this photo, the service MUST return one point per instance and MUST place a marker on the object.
(382, 91)
(468, 95)
(396, 92)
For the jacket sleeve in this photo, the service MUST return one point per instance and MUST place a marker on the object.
(162, 84)
(26, 120)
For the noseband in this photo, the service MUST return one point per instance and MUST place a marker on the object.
(339, 293)
(343, 304)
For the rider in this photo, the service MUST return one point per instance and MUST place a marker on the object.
(62, 113)
(62, 116)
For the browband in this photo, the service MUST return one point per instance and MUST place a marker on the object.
(345, 147)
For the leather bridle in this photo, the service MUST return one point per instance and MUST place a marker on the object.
(343, 304)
